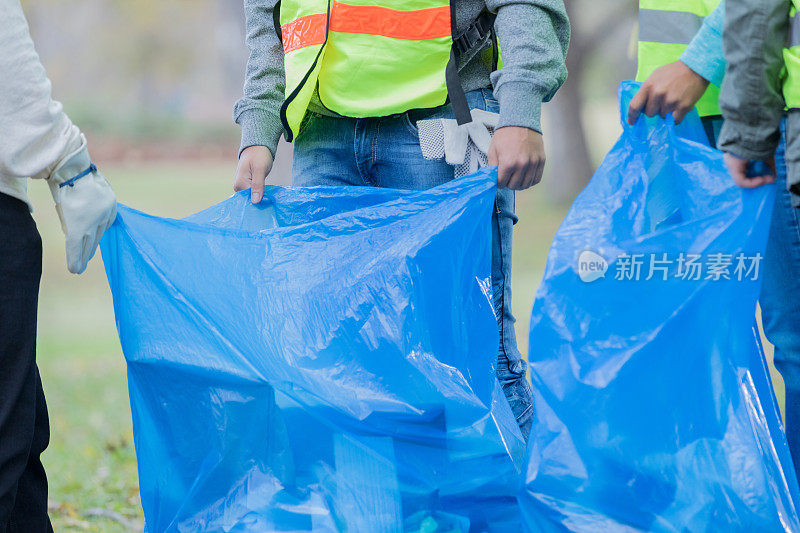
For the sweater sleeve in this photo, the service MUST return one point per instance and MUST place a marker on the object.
(533, 37)
(258, 111)
(751, 98)
(704, 54)
(36, 133)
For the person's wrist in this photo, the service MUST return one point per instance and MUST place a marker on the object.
(72, 165)
(521, 132)
(694, 74)
(694, 68)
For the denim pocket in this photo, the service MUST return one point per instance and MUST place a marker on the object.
(411, 117)
(411, 125)
(489, 101)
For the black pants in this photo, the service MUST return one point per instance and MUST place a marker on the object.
(24, 427)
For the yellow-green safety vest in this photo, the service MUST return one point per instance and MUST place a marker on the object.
(367, 58)
(791, 59)
(666, 27)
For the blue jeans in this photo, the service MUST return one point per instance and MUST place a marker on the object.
(780, 290)
(780, 297)
(385, 152)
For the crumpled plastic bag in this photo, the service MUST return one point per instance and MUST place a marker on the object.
(655, 411)
(323, 361)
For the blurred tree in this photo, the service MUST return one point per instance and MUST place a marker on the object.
(599, 45)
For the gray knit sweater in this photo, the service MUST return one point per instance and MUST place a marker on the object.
(533, 35)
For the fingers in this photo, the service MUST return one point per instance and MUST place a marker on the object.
(680, 113)
(655, 102)
(652, 102)
(752, 183)
(255, 163)
(637, 104)
(505, 173)
(76, 253)
(537, 173)
(672, 88)
(258, 175)
(521, 174)
(243, 176)
(667, 106)
(533, 175)
(647, 100)
(737, 167)
(518, 154)
(742, 180)
(90, 243)
(82, 248)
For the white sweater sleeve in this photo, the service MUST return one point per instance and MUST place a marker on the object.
(35, 133)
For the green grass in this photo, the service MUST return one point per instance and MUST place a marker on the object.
(90, 461)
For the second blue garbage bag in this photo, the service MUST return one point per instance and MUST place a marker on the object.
(654, 407)
(323, 361)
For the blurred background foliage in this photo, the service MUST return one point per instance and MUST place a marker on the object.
(158, 79)
(152, 84)
(146, 70)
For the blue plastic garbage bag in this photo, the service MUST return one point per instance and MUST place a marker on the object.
(654, 408)
(323, 361)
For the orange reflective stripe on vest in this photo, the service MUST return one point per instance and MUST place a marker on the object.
(415, 25)
(305, 31)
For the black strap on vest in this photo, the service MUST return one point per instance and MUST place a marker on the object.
(276, 20)
(463, 43)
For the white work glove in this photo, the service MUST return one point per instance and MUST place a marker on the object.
(465, 146)
(86, 206)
